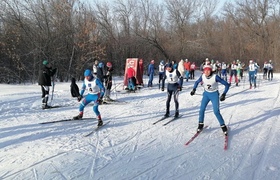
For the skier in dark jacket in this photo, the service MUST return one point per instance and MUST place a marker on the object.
(44, 81)
(100, 72)
(108, 81)
(172, 76)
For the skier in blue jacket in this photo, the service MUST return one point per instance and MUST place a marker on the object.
(211, 93)
(151, 70)
(96, 91)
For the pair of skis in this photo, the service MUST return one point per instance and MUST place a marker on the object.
(166, 117)
(198, 133)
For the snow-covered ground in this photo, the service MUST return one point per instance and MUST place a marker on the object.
(130, 146)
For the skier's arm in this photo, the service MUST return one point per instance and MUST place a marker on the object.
(195, 85)
(101, 86)
(197, 82)
(226, 84)
(83, 89)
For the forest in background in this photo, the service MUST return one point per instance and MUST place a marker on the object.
(71, 34)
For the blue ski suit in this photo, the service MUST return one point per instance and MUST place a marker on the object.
(211, 93)
(95, 90)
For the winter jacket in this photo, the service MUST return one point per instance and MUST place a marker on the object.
(45, 75)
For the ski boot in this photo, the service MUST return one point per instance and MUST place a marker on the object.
(200, 127)
(45, 106)
(80, 116)
(225, 130)
(100, 122)
(176, 114)
(166, 114)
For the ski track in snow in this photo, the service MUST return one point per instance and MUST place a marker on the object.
(130, 147)
(257, 152)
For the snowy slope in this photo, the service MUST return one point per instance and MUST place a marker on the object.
(130, 147)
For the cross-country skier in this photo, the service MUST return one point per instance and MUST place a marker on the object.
(211, 93)
(265, 68)
(161, 70)
(270, 70)
(172, 76)
(233, 72)
(224, 71)
(252, 73)
(108, 81)
(95, 93)
(45, 82)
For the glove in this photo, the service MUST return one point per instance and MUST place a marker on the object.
(100, 101)
(162, 89)
(179, 88)
(223, 97)
(193, 92)
(79, 98)
(148, 74)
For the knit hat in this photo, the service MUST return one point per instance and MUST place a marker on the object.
(45, 62)
(207, 67)
(169, 65)
(87, 72)
(100, 65)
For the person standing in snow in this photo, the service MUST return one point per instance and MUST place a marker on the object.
(95, 91)
(161, 69)
(252, 73)
(94, 68)
(172, 76)
(151, 70)
(100, 72)
(45, 75)
(181, 69)
(211, 93)
(108, 81)
(224, 71)
(270, 70)
(233, 72)
(187, 66)
(174, 64)
(192, 70)
(265, 66)
(131, 78)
